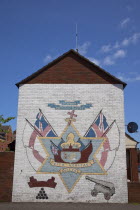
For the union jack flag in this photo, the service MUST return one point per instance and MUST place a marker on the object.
(43, 126)
(99, 127)
(54, 149)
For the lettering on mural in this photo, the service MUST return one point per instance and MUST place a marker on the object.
(68, 105)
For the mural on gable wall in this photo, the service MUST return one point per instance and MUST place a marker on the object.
(71, 155)
(42, 194)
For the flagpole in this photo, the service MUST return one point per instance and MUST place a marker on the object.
(108, 128)
(48, 122)
(33, 127)
(93, 121)
(54, 144)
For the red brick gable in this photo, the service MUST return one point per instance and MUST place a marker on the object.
(71, 68)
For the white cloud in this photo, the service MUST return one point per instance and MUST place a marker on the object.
(47, 58)
(106, 48)
(128, 78)
(116, 45)
(94, 60)
(125, 42)
(111, 59)
(135, 38)
(116, 50)
(84, 48)
(137, 78)
(129, 8)
(124, 22)
(131, 40)
(119, 54)
(133, 73)
(108, 61)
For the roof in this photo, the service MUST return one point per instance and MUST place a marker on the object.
(5, 128)
(131, 137)
(2, 137)
(14, 132)
(76, 54)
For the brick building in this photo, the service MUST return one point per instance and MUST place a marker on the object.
(70, 143)
(6, 163)
(132, 158)
(6, 137)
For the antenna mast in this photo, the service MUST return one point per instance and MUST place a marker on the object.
(76, 39)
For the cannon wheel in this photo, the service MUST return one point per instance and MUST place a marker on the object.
(107, 196)
(94, 193)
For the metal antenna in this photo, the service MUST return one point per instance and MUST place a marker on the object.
(76, 39)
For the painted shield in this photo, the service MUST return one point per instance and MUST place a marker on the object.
(70, 157)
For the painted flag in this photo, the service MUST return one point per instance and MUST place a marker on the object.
(54, 149)
(44, 129)
(43, 126)
(97, 129)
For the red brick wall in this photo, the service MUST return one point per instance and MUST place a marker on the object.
(134, 164)
(134, 192)
(9, 136)
(72, 70)
(6, 175)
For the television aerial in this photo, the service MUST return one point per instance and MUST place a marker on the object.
(132, 127)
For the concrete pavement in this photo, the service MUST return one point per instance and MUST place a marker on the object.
(67, 206)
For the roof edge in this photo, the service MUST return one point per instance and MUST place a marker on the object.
(57, 60)
(131, 137)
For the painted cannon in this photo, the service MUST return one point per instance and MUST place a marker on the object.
(107, 188)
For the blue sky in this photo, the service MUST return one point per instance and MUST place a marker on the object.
(34, 32)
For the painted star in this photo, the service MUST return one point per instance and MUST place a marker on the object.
(70, 173)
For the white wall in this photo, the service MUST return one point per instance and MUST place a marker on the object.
(107, 97)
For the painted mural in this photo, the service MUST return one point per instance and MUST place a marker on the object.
(107, 188)
(71, 155)
(42, 194)
(35, 183)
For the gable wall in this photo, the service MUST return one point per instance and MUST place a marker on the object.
(101, 96)
(72, 70)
